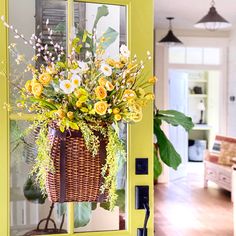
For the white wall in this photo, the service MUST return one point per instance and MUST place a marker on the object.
(232, 84)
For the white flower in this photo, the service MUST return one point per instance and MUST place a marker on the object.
(76, 80)
(75, 71)
(83, 66)
(106, 69)
(67, 86)
(124, 51)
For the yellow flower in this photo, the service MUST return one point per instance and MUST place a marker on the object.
(60, 113)
(130, 80)
(110, 61)
(70, 115)
(100, 92)
(100, 108)
(116, 110)
(136, 117)
(45, 78)
(117, 117)
(37, 89)
(28, 86)
(80, 92)
(129, 94)
(150, 96)
(152, 80)
(78, 104)
(83, 98)
(109, 86)
(84, 109)
(51, 70)
(102, 81)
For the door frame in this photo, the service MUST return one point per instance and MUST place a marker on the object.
(140, 40)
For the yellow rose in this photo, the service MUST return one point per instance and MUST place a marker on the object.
(78, 104)
(28, 86)
(45, 78)
(100, 108)
(129, 94)
(136, 117)
(100, 92)
(117, 117)
(109, 86)
(116, 110)
(152, 80)
(102, 81)
(150, 96)
(70, 115)
(37, 89)
(60, 113)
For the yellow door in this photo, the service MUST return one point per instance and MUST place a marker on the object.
(19, 213)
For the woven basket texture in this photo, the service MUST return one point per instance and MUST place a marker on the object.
(81, 178)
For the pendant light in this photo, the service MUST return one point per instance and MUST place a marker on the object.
(212, 20)
(170, 39)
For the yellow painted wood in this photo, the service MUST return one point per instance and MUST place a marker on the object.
(4, 134)
(140, 143)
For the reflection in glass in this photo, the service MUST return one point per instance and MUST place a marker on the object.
(29, 18)
(108, 21)
(28, 205)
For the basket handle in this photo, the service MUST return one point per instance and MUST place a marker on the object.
(45, 219)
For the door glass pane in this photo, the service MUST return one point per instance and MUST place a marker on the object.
(177, 55)
(90, 217)
(29, 19)
(211, 56)
(28, 205)
(194, 55)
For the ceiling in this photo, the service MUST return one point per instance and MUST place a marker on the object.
(188, 12)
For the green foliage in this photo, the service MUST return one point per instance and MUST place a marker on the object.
(110, 36)
(175, 118)
(157, 165)
(114, 149)
(82, 213)
(101, 12)
(167, 152)
(33, 193)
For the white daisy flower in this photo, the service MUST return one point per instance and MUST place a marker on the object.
(83, 66)
(124, 51)
(76, 80)
(106, 69)
(66, 86)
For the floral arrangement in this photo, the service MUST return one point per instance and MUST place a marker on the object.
(86, 92)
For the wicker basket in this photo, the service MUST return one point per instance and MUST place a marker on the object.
(77, 174)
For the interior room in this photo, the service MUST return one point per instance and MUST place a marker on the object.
(196, 73)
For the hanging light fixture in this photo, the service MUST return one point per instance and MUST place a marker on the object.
(212, 20)
(170, 38)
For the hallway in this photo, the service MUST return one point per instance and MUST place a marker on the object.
(185, 208)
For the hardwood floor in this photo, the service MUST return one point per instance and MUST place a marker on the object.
(185, 208)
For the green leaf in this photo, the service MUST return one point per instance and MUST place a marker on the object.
(102, 11)
(167, 152)
(157, 165)
(110, 36)
(83, 213)
(175, 118)
(73, 125)
(33, 193)
(61, 208)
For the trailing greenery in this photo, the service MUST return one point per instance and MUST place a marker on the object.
(114, 149)
(167, 152)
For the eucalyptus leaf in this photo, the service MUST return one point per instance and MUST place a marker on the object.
(102, 11)
(110, 36)
(168, 154)
(61, 208)
(82, 213)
